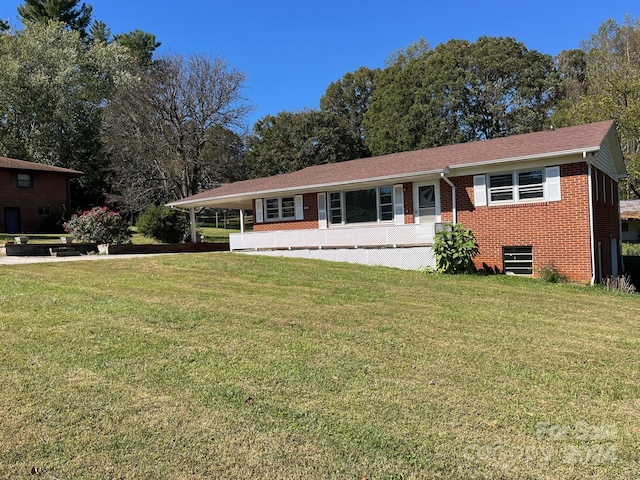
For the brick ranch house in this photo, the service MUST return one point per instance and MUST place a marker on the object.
(31, 194)
(531, 200)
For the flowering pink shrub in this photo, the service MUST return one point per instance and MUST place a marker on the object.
(99, 225)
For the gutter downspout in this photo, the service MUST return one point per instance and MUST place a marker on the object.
(622, 269)
(591, 228)
(453, 197)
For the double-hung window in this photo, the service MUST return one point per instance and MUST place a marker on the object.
(280, 208)
(25, 180)
(515, 187)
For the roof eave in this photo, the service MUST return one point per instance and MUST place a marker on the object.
(299, 189)
(524, 158)
(246, 197)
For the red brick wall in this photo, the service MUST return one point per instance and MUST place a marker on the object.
(310, 203)
(557, 231)
(605, 222)
(408, 202)
(49, 190)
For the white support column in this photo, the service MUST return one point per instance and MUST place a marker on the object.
(192, 218)
(241, 221)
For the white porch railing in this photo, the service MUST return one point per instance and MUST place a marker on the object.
(337, 237)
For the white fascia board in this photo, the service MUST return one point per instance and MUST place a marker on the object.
(525, 158)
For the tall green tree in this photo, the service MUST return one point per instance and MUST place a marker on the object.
(349, 97)
(68, 12)
(611, 90)
(223, 157)
(99, 32)
(141, 45)
(52, 91)
(156, 129)
(460, 91)
(292, 141)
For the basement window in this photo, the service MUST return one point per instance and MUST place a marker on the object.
(517, 260)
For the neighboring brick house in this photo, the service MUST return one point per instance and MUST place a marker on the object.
(531, 200)
(32, 194)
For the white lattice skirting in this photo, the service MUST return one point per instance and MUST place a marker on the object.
(408, 258)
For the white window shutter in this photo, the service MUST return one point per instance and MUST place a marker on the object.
(322, 211)
(480, 190)
(259, 212)
(552, 184)
(297, 200)
(398, 204)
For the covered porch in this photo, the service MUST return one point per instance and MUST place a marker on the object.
(361, 236)
(399, 246)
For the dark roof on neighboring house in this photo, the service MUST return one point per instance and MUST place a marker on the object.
(561, 141)
(13, 164)
(630, 209)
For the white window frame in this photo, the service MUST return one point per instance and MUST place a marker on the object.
(343, 212)
(294, 210)
(515, 188)
(339, 208)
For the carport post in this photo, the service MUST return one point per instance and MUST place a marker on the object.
(192, 218)
(241, 221)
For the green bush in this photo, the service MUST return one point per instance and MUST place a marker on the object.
(455, 247)
(99, 225)
(631, 249)
(163, 224)
(549, 273)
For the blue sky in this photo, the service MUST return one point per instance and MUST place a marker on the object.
(292, 50)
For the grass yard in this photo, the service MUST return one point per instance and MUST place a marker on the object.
(231, 366)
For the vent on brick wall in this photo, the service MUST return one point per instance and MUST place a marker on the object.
(517, 260)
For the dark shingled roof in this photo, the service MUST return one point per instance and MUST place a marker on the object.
(13, 164)
(406, 164)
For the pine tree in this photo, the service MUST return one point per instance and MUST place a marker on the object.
(66, 11)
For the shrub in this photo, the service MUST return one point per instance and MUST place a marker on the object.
(455, 247)
(549, 273)
(99, 225)
(622, 284)
(163, 224)
(631, 249)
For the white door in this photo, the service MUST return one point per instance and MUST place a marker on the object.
(426, 202)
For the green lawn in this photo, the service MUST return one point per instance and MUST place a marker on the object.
(231, 366)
